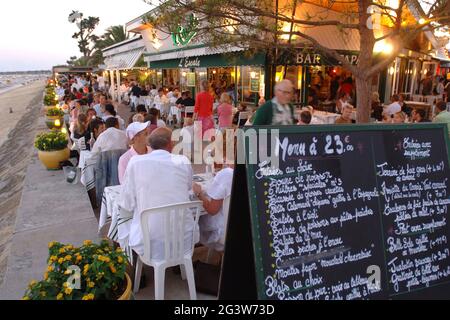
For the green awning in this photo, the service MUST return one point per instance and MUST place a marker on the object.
(211, 61)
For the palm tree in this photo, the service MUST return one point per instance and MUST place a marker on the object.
(112, 35)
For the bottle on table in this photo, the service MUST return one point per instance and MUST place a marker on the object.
(209, 169)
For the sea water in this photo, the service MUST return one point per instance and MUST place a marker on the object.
(12, 81)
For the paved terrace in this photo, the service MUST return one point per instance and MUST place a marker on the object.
(53, 210)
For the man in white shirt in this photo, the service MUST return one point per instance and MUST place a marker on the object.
(153, 180)
(153, 91)
(160, 100)
(394, 107)
(110, 139)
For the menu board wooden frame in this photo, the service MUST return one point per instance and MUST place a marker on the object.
(241, 276)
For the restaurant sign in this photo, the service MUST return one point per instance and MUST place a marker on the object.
(184, 34)
(189, 62)
(309, 57)
(316, 59)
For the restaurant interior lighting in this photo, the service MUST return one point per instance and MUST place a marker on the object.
(422, 21)
(64, 130)
(278, 76)
(184, 74)
(57, 123)
(253, 74)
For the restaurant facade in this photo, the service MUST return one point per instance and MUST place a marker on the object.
(184, 63)
(122, 63)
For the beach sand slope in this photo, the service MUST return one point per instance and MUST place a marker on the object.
(17, 132)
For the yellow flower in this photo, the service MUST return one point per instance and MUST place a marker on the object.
(50, 268)
(68, 291)
(119, 259)
(51, 244)
(86, 269)
(119, 250)
(79, 258)
(61, 260)
(113, 269)
(26, 298)
(53, 258)
(68, 247)
(87, 242)
(46, 276)
(32, 283)
(91, 284)
(60, 296)
(68, 272)
(89, 296)
(62, 250)
(43, 293)
(68, 258)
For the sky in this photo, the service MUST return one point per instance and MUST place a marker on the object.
(36, 34)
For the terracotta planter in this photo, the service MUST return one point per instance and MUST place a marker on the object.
(51, 159)
(50, 122)
(127, 294)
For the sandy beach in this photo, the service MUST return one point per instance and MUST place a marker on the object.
(17, 132)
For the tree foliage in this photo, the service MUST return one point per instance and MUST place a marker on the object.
(274, 25)
(85, 34)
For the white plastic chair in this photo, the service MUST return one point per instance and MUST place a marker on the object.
(174, 249)
(142, 99)
(81, 144)
(189, 111)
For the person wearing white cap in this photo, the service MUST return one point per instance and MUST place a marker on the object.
(137, 133)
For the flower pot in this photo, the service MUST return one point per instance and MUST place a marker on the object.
(50, 122)
(127, 293)
(51, 159)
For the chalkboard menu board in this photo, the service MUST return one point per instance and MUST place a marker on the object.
(343, 212)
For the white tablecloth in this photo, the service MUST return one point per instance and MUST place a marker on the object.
(322, 117)
(87, 167)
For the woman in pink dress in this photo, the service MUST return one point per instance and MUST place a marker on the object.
(225, 111)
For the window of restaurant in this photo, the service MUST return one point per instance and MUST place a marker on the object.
(171, 78)
(200, 75)
(317, 85)
(250, 84)
(187, 79)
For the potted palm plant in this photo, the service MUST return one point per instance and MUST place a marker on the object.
(52, 149)
(90, 272)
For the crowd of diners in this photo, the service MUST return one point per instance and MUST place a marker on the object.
(152, 176)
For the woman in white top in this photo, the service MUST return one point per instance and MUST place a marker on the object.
(212, 226)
